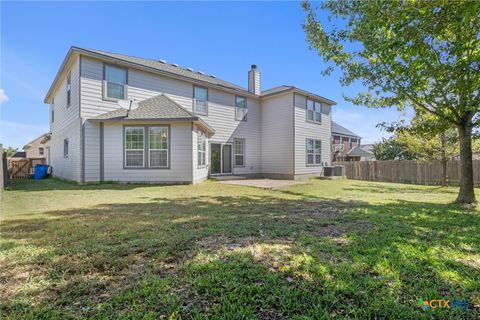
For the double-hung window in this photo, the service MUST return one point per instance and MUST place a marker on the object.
(40, 151)
(314, 152)
(69, 89)
(158, 146)
(314, 111)
(147, 147)
(134, 147)
(53, 110)
(239, 152)
(115, 83)
(200, 100)
(201, 148)
(240, 108)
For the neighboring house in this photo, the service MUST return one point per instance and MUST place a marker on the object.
(346, 145)
(115, 117)
(37, 148)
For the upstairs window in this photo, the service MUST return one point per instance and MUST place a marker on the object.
(240, 109)
(201, 148)
(69, 89)
(40, 151)
(314, 111)
(239, 152)
(115, 82)
(314, 152)
(65, 148)
(200, 98)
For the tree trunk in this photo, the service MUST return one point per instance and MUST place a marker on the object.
(443, 159)
(467, 193)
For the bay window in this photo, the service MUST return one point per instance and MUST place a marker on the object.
(149, 140)
(158, 146)
(201, 148)
(134, 146)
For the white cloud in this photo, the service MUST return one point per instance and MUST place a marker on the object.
(3, 96)
(16, 134)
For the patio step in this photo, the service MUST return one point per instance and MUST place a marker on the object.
(227, 178)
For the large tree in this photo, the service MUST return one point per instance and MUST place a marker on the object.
(423, 54)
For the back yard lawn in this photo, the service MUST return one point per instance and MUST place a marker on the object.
(324, 249)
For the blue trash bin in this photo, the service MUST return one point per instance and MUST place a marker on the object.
(40, 171)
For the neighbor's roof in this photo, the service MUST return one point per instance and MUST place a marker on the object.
(43, 138)
(359, 152)
(340, 130)
(157, 108)
(168, 69)
(20, 154)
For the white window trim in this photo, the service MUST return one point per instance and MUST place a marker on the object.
(167, 149)
(314, 120)
(125, 147)
(235, 154)
(244, 118)
(104, 84)
(195, 101)
(314, 164)
(201, 139)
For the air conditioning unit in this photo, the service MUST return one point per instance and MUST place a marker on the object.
(339, 171)
(328, 171)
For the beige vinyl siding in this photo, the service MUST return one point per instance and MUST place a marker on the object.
(66, 168)
(199, 174)
(277, 134)
(92, 151)
(306, 130)
(141, 86)
(221, 117)
(180, 156)
(221, 106)
(66, 125)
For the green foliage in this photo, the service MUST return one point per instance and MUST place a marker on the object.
(392, 149)
(420, 53)
(10, 151)
(423, 54)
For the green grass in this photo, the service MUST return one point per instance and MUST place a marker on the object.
(324, 249)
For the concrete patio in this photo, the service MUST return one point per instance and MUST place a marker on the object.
(262, 183)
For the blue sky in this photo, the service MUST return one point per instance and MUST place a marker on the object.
(218, 38)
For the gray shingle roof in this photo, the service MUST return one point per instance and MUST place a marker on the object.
(276, 89)
(177, 70)
(359, 152)
(338, 129)
(158, 107)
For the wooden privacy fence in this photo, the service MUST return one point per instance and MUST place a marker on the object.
(22, 168)
(407, 171)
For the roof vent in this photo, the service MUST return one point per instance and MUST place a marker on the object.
(213, 76)
(174, 64)
(200, 72)
(162, 61)
(190, 69)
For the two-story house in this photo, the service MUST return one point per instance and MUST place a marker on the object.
(115, 117)
(346, 145)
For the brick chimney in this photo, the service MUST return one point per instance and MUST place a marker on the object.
(254, 80)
